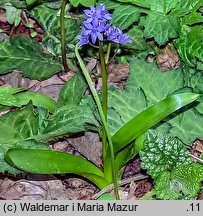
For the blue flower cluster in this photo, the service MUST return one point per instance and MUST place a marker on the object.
(97, 26)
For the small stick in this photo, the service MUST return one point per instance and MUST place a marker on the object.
(197, 158)
(120, 183)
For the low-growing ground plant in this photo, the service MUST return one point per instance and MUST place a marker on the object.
(157, 115)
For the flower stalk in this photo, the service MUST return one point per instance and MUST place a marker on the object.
(63, 41)
(96, 30)
(104, 95)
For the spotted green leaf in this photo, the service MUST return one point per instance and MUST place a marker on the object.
(27, 55)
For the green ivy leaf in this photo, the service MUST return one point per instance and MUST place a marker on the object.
(183, 183)
(163, 153)
(26, 55)
(72, 92)
(156, 84)
(187, 126)
(125, 15)
(163, 19)
(86, 3)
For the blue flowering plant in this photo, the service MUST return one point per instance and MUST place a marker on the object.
(96, 31)
(97, 27)
(119, 148)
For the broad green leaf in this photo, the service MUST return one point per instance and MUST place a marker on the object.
(161, 27)
(49, 18)
(106, 197)
(163, 153)
(150, 117)
(125, 15)
(110, 4)
(13, 14)
(16, 97)
(190, 44)
(17, 126)
(163, 18)
(30, 2)
(15, 3)
(136, 35)
(187, 126)
(68, 120)
(52, 162)
(27, 56)
(183, 183)
(142, 3)
(86, 3)
(157, 85)
(72, 92)
(37, 100)
(120, 112)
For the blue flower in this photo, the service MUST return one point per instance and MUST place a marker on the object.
(95, 31)
(96, 15)
(84, 38)
(116, 35)
(97, 26)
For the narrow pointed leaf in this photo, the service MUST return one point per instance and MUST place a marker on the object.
(150, 117)
(52, 162)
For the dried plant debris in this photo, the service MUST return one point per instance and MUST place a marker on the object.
(45, 190)
(168, 60)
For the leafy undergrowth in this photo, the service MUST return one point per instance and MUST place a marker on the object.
(71, 123)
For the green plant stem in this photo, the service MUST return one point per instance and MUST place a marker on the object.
(97, 101)
(63, 41)
(104, 98)
(108, 53)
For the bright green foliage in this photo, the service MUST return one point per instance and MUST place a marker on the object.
(119, 111)
(49, 18)
(53, 162)
(27, 56)
(163, 153)
(17, 126)
(86, 3)
(69, 120)
(190, 45)
(106, 197)
(15, 3)
(183, 183)
(72, 92)
(150, 117)
(125, 15)
(187, 126)
(18, 97)
(162, 19)
(13, 14)
(156, 84)
(136, 35)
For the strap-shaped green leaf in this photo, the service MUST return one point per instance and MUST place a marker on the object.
(150, 117)
(18, 97)
(53, 162)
